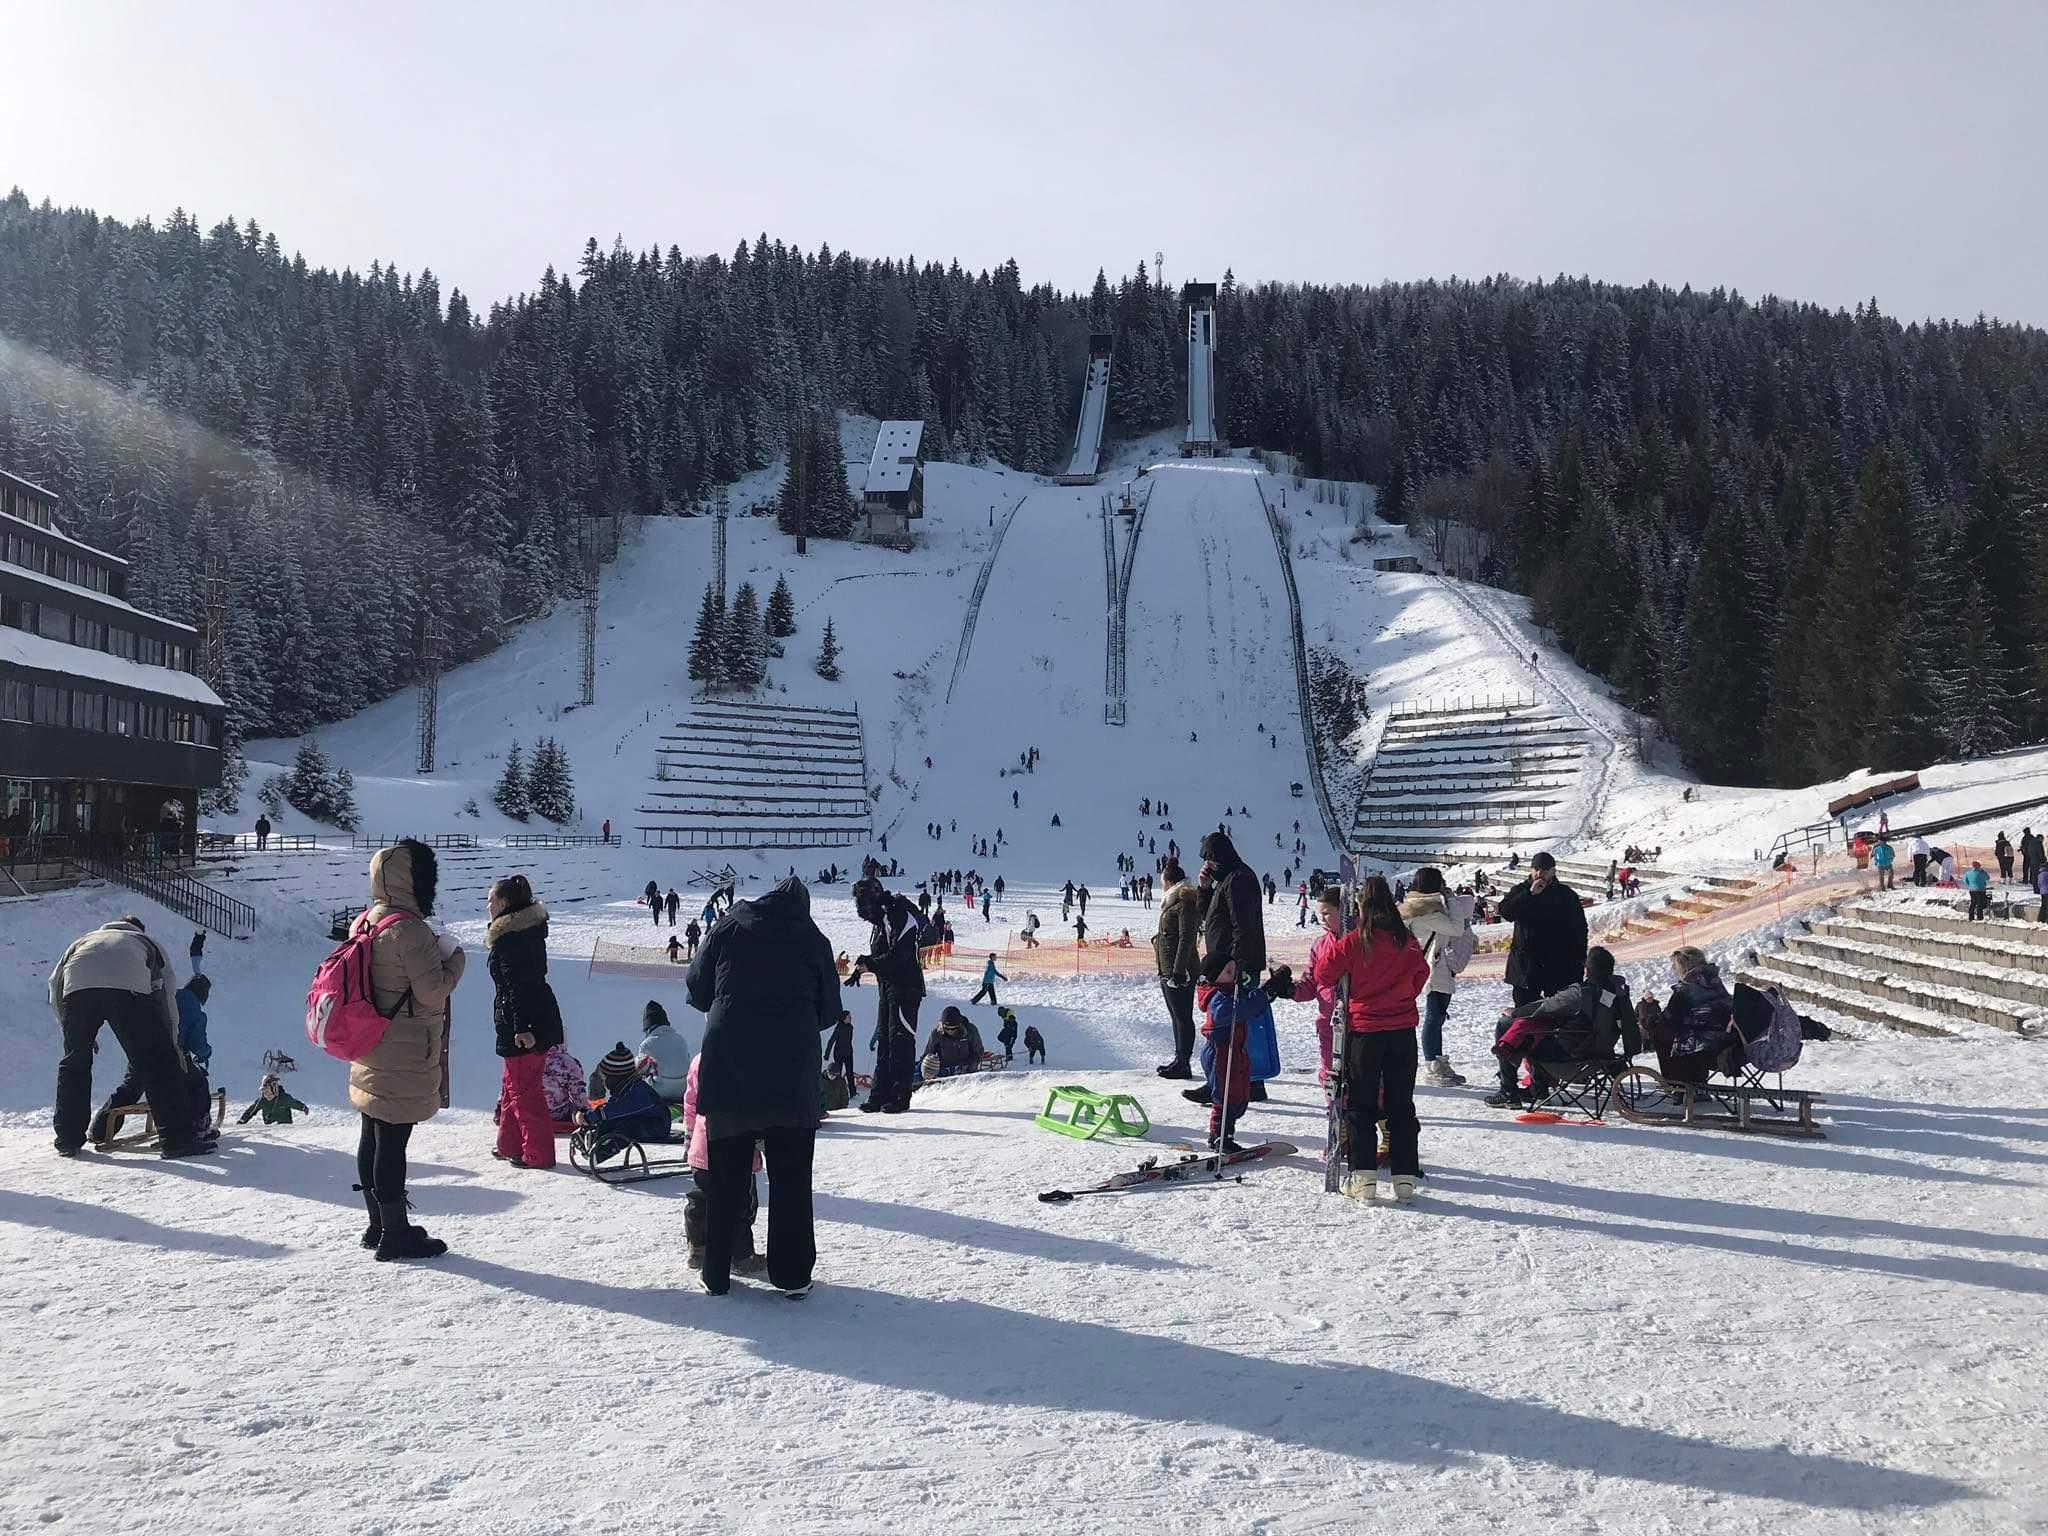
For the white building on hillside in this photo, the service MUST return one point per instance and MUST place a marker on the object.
(895, 490)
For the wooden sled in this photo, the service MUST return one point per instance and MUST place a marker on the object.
(611, 1158)
(1644, 1096)
(122, 1113)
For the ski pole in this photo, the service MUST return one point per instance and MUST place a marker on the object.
(1229, 1058)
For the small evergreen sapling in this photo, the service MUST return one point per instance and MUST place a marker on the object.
(828, 655)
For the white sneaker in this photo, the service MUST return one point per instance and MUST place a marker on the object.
(1442, 1073)
(1404, 1187)
(1362, 1185)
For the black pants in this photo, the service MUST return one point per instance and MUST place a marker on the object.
(1523, 997)
(198, 1091)
(380, 1158)
(1009, 1047)
(1379, 1084)
(728, 1186)
(1919, 869)
(895, 1047)
(152, 1060)
(1180, 1005)
(696, 1208)
(2005, 867)
(988, 990)
(1980, 905)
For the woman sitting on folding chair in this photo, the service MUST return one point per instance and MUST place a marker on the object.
(1692, 1030)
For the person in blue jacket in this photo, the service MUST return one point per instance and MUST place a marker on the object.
(1977, 881)
(1884, 856)
(631, 1107)
(989, 977)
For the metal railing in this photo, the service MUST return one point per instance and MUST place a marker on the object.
(1424, 818)
(245, 842)
(563, 840)
(807, 836)
(1821, 834)
(1474, 704)
(973, 614)
(1112, 652)
(168, 886)
(1310, 735)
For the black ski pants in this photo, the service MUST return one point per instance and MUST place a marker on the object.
(987, 990)
(696, 1216)
(728, 1191)
(1379, 1084)
(1919, 869)
(380, 1158)
(152, 1059)
(895, 1046)
(130, 1091)
(1180, 1006)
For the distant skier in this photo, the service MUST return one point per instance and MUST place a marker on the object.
(674, 904)
(1081, 897)
(262, 833)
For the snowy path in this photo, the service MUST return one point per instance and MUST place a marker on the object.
(1623, 1330)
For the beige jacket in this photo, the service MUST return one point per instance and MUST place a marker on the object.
(1435, 921)
(119, 957)
(405, 1079)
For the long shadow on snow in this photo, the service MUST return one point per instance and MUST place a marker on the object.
(325, 1174)
(975, 1353)
(974, 1232)
(104, 1222)
(1690, 1210)
(1924, 1123)
(1776, 1151)
(1994, 1274)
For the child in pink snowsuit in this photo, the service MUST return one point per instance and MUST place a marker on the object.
(696, 1202)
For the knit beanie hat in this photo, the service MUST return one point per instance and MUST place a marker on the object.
(619, 1065)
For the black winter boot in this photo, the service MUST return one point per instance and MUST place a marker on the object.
(403, 1240)
(373, 1234)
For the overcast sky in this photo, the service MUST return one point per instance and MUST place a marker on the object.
(1824, 151)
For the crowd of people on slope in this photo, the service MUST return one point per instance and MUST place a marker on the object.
(1942, 869)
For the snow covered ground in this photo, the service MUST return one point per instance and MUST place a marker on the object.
(1620, 1329)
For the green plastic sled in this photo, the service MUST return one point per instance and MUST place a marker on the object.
(1083, 1114)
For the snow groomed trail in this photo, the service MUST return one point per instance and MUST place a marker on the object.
(1087, 457)
(1208, 655)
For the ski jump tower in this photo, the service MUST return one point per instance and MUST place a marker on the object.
(1200, 439)
(1085, 467)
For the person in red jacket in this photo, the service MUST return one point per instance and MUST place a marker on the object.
(1385, 972)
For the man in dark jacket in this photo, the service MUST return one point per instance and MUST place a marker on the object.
(1235, 927)
(766, 980)
(1176, 954)
(1549, 949)
(899, 989)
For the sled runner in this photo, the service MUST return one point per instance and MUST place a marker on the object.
(611, 1158)
(1645, 1096)
(147, 1135)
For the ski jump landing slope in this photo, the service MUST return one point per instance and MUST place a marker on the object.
(1209, 657)
(1086, 464)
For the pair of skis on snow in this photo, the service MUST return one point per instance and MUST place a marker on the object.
(1190, 1169)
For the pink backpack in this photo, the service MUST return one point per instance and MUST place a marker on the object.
(341, 1011)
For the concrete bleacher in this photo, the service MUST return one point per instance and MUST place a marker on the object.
(1469, 781)
(740, 774)
(1921, 968)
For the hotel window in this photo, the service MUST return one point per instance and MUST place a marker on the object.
(152, 722)
(181, 725)
(121, 716)
(49, 705)
(205, 731)
(17, 701)
(53, 623)
(90, 633)
(88, 710)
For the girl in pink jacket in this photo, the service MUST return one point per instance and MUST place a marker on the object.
(744, 1259)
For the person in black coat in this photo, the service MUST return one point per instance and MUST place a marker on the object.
(1233, 926)
(899, 989)
(1549, 949)
(528, 1020)
(765, 978)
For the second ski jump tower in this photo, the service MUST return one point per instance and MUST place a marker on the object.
(1085, 468)
(1200, 439)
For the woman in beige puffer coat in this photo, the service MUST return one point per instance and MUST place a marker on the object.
(405, 1079)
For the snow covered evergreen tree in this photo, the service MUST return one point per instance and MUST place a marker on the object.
(708, 643)
(513, 796)
(342, 807)
(828, 655)
(742, 660)
(550, 786)
(781, 618)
